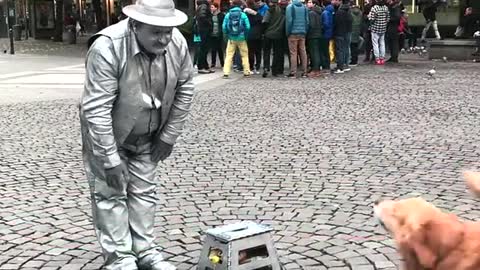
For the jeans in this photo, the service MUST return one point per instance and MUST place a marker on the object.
(427, 27)
(324, 56)
(340, 42)
(296, 45)
(378, 42)
(231, 48)
(255, 53)
(216, 43)
(346, 48)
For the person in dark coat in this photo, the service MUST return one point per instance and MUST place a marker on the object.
(392, 29)
(254, 39)
(274, 25)
(216, 37)
(367, 33)
(356, 32)
(204, 23)
(314, 36)
(429, 13)
(342, 33)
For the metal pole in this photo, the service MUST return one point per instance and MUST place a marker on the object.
(10, 30)
(10, 33)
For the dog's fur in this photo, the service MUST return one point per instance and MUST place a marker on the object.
(429, 239)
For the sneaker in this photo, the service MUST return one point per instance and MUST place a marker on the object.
(382, 61)
(256, 72)
(212, 70)
(304, 75)
(225, 76)
(338, 71)
(378, 62)
(203, 71)
(353, 65)
(247, 74)
(347, 68)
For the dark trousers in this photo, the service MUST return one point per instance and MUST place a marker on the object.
(393, 43)
(368, 45)
(340, 42)
(277, 65)
(216, 44)
(196, 48)
(313, 45)
(354, 53)
(412, 40)
(254, 53)
(324, 55)
(204, 48)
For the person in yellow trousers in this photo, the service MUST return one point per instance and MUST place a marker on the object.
(235, 27)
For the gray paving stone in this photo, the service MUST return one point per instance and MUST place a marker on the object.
(307, 157)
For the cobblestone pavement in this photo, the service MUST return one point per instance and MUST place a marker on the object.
(305, 156)
(46, 47)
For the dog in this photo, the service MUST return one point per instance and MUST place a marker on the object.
(428, 238)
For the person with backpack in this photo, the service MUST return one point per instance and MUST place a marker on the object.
(379, 17)
(314, 36)
(296, 25)
(236, 27)
(274, 25)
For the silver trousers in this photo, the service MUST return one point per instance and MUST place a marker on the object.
(124, 219)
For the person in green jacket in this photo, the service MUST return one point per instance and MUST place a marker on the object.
(236, 27)
(314, 36)
(274, 25)
(356, 31)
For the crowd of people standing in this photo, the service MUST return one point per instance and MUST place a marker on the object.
(314, 33)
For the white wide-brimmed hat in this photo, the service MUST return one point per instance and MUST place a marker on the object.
(155, 12)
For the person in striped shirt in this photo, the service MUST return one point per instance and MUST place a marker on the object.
(379, 17)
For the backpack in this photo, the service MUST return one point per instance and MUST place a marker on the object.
(235, 23)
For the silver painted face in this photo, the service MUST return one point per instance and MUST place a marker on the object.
(153, 39)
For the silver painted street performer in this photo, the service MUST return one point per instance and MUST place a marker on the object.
(138, 93)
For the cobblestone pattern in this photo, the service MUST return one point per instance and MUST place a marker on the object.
(46, 47)
(305, 156)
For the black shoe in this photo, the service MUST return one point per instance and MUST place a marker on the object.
(290, 75)
(264, 74)
(392, 61)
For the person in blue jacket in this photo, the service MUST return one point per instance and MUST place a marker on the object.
(328, 26)
(296, 25)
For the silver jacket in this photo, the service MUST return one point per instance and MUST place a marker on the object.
(113, 92)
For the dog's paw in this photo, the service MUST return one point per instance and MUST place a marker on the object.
(472, 179)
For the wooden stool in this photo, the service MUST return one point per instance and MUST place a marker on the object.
(240, 246)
